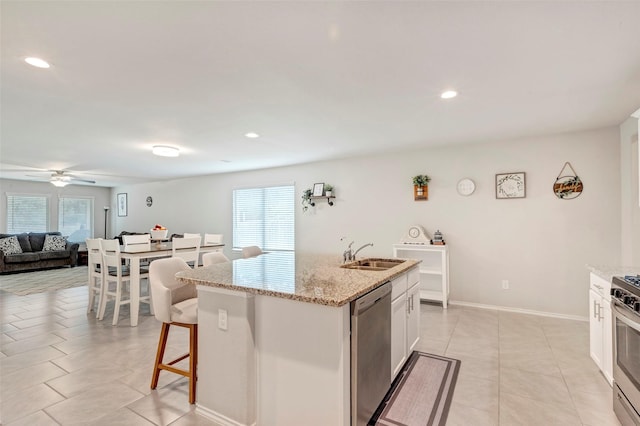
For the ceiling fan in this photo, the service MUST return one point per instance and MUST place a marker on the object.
(62, 178)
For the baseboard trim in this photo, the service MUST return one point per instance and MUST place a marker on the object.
(217, 417)
(519, 311)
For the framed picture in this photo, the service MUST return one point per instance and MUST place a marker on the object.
(318, 189)
(510, 185)
(122, 204)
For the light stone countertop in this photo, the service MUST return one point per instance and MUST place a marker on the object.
(304, 277)
(607, 272)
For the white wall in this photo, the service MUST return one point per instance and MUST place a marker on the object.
(100, 195)
(541, 244)
(630, 209)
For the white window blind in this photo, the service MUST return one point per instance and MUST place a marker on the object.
(264, 217)
(75, 218)
(27, 213)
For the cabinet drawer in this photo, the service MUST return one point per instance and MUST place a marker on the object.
(600, 286)
(398, 286)
(413, 277)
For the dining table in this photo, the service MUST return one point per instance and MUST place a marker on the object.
(156, 250)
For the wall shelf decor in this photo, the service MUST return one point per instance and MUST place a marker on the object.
(421, 187)
(567, 185)
(510, 185)
(320, 192)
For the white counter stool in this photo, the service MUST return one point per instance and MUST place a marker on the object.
(94, 266)
(251, 251)
(213, 258)
(187, 249)
(115, 272)
(174, 304)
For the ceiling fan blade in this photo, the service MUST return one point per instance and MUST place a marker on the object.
(73, 179)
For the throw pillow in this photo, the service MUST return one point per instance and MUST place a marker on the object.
(54, 243)
(10, 245)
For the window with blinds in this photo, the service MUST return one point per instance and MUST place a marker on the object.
(75, 218)
(27, 213)
(264, 217)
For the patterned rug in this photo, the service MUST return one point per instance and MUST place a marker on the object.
(421, 393)
(24, 283)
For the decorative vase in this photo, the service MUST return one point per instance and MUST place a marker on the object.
(328, 193)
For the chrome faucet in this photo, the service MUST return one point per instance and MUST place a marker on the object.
(347, 256)
(353, 257)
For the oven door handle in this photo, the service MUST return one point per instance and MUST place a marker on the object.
(627, 319)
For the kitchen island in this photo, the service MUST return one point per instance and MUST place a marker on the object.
(274, 337)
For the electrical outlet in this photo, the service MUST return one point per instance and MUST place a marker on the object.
(222, 319)
(505, 284)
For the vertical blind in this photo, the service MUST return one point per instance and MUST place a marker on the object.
(75, 218)
(27, 213)
(264, 217)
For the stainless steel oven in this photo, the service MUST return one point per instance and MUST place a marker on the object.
(625, 307)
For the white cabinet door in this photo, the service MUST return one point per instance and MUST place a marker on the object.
(398, 333)
(595, 328)
(413, 318)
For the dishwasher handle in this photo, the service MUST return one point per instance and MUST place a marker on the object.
(363, 303)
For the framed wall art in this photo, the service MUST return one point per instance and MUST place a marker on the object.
(510, 185)
(122, 204)
(318, 189)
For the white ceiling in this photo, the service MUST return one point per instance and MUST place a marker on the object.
(317, 80)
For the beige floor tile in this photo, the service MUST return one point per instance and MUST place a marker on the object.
(32, 357)
(23, 402)
(482, 367)
(539, 387)
(463, 415)
(36, 321)
(165, 405)
(39, 418)
(595, 409)
(475, 392)
(93, 404)
(87, 378)
(30, 376)
(25, 345)
(121, 417)
(521, 411)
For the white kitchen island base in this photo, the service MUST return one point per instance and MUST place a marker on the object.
(280, 361)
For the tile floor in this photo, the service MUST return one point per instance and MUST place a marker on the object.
(61, 366)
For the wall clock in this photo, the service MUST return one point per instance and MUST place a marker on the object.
(466, 187)
(149, 201)
(416, 235)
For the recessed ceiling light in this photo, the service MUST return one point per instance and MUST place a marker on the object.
(37, 62)
(449, 94)
(165, 151)
(252, 135)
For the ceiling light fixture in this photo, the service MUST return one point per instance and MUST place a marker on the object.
(37, 62)
(449, 94)
(59, 183)
(165, 151)
(252, 135)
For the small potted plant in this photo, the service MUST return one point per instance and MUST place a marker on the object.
(421, 187)
(306, 199)
(328, 190)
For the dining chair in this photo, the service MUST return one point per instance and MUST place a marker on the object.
(119, 275)
(94, 266)
(187, 249)
(214, 257)
(188, 235)
(251, 251)
(134, 243)
(174, 304)
(211, 239)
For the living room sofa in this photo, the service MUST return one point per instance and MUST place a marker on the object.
(33, 257)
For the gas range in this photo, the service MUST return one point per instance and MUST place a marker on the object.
(626, 290)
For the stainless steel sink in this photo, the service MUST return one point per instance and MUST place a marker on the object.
(373, 264)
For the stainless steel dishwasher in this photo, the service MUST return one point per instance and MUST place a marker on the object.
(370, 352)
